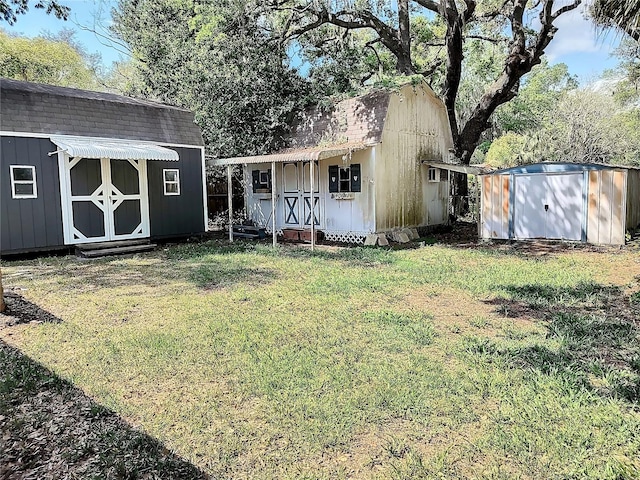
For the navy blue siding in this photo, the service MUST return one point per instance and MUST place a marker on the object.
(177, 215)
(30, 223)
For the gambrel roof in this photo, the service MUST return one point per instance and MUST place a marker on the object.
(37, 108)
(328, 131)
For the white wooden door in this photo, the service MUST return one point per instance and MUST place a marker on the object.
(291, 190)
(297, 195)
(105, 200)
(308, 196)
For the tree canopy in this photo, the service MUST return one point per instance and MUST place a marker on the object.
(203, 47)
(45, 60)
(216, 60)
(10, 9)
(621, 14)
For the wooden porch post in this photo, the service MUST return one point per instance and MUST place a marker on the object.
(313, 207)
(230, 198)
(449, 201)
(273, 203)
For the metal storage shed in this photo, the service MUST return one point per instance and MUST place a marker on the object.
(561, 201)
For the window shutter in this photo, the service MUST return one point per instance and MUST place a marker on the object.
(333, 178)
(256, 179)
(269, 179)
(356, 179)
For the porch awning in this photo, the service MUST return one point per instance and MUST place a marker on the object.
(85, 147)
(454, 167)
(299, 155)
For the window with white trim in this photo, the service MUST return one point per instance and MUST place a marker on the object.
(23, 181)
(345, 178)
(434, 174)
(171, 179)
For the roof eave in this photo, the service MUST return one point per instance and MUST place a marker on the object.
(306, 155)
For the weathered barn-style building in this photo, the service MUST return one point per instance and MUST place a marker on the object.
(562, 201)
(78, 167)
(366, 160)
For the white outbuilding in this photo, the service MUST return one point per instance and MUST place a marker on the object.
(362, 166)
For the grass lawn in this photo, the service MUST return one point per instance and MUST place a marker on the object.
(435, 362)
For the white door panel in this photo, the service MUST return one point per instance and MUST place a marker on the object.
(110, 209)
(529, 212)
(564, 198)
(548, 206)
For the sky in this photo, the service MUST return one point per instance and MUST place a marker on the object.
(586, 51)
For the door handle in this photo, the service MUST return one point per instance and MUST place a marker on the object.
(546, 208)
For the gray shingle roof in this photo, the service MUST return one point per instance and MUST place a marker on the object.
(37, 108)
(355, 120)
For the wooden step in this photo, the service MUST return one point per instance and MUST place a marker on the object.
(103, 252)
(114, 244)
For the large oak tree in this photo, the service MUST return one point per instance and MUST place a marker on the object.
(524, 29)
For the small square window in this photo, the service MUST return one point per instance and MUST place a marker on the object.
(23, 181)
(344, 175)
(171, 179)
(434, 175)
(345, 179)
(261, 181)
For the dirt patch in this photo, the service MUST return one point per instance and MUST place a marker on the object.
(456, 311)
(465, 235)
(20, 310)
(413, 450)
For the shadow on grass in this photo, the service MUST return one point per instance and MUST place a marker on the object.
(155, 269)
(464, 235)
(209, 265)
(21, 310)
(354, 255)
(51, 430)
(593, 336)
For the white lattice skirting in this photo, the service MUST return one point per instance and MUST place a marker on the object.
(342, 237)
(345, 237)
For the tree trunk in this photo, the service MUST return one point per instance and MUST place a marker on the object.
(404, 64)
(460, 194)
(455, 55)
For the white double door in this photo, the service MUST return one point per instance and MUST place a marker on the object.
(297, 197)
(549, 206)
(106, 199)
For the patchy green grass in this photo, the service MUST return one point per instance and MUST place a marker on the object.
(428, 363)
